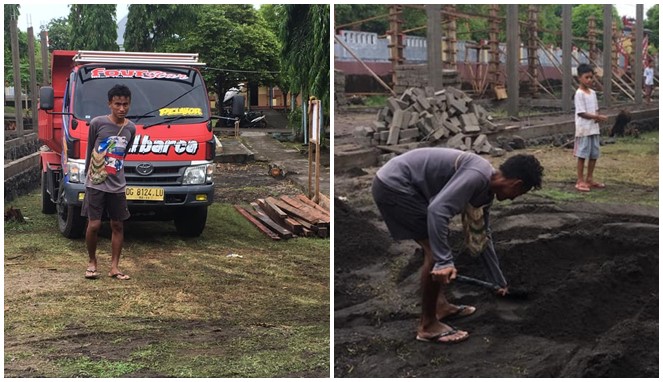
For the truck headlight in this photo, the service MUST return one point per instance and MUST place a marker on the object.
(199, 174)
(76, 171)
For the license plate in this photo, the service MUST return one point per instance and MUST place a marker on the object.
(145, 193)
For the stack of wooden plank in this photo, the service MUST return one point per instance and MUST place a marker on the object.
(286, 217)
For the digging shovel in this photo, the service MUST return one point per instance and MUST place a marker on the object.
(517, 294)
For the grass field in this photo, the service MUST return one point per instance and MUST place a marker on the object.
(190, 309)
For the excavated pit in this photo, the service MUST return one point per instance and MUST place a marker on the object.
(592, 308)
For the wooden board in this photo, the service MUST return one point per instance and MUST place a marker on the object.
(258, 224)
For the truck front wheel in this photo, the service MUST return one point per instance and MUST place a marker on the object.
(190, 222)
(70, 222)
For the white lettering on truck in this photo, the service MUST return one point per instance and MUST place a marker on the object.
(137, 73)
(146, 145)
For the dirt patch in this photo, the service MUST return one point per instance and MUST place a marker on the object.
(244, 183)
(592, 312)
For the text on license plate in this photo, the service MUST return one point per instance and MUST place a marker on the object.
(144, 193)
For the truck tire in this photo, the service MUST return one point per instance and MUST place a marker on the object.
(190, 222)
(47, 206)
(70, 222)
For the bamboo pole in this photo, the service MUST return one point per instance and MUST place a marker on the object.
(377, 78)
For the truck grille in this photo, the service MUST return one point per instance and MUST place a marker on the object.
(169, 174)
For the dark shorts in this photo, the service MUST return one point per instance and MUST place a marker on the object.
(406, 215)
(95, 202)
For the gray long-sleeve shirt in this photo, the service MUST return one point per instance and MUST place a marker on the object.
(449, 179)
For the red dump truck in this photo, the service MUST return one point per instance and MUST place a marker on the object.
(170, 163)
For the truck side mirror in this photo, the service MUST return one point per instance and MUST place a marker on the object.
(46, 98)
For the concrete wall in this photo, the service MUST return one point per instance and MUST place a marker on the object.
(372, 49)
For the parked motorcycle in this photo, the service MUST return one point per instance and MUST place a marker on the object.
(233, 110)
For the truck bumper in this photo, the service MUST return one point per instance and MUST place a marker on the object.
(174, 197)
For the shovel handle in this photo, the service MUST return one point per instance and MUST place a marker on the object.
(470, 280)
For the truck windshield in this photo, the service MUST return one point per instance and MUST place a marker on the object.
(156, 93)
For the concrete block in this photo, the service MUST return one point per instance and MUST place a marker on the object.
(452, 125)
(393, 135)
(379, 125)
(456, 141)
(425, 105)
(414, 118)
(363, 131)
(407, 96)
(479, 141)
(430, 92)
(397, 119)
(468, 124)
(405, 119)
(383, 136)
(407, 133)
(395, 104)
(440, 133)
(382, 113)
(468, 143)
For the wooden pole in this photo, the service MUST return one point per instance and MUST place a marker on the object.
(377, 78)
(450, 61)
(396, 44)
(494, 44)
(532, 51)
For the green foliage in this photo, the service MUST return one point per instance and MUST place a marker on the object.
(12, 12)
(295, 120)
(236, 44)
(351, 13)
(305, 54)
(93, 27)
(59, 34)
(580, 26)
(157, 27)
(652, 24)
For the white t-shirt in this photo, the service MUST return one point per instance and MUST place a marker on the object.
(649, 76)
(586, 103)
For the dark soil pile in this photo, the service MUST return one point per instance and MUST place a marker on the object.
(592, 311)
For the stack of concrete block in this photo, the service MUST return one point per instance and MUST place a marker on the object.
(447, 117)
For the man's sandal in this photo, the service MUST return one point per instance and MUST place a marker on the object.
(119, 276)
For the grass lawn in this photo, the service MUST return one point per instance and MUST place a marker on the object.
(190, 310)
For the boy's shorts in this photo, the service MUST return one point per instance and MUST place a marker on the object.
(406, 215)
(95, 202)
(587, 147)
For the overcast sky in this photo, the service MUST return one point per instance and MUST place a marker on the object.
(35, 14)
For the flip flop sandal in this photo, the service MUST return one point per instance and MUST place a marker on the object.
(597, 185)
(91, 274)
(582, 188)
(120, 276)
(463, 311)
(436, 338)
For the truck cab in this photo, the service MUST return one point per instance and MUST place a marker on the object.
(169, 165)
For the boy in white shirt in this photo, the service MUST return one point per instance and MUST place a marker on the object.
(587, 133)
(649, 81)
